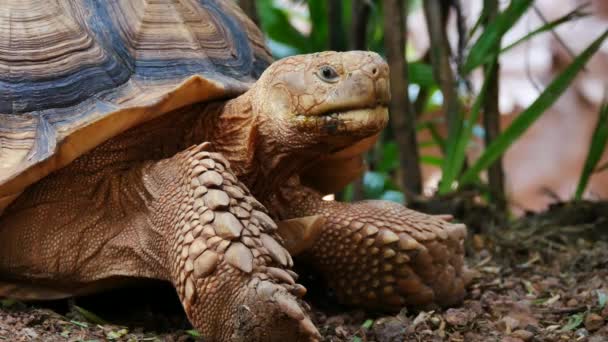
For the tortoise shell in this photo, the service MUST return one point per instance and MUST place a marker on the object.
(74, 74)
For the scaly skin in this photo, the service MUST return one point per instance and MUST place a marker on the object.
(136, 206)
(379, 254)
(184, 219)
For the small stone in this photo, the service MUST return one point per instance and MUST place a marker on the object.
(210, 178)
(593, 322)
(227, 225)
(508, 324)
(524, 335)
(572, 302)
(456, 317)
(239, 256)
(216, 199)
(205, 263)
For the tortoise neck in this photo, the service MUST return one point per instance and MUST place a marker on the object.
(259, 154)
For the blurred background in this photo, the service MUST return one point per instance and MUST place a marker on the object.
(502, 99)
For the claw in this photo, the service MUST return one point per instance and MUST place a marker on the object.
(290, 307)
(309, 329)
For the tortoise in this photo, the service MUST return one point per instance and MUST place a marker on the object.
(159, 139)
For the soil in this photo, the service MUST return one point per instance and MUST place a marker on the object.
(540, 278)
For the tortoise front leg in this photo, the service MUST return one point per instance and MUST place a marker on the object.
(379, 254)
(227, 263)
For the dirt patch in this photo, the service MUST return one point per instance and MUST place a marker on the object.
(543, 279)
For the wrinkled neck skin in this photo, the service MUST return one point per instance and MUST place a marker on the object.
(261, 153)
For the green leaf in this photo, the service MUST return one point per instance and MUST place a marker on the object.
(193, 333)
(367, 324)
(390, 158)
(596, 149)
(275, 23)
(431, 160)
(420, 73)
(89, 316)
(319, 33)
(114, 335)
(489, 40)
(532, 113)
(80, 324)
(574, 322)
(552, 25)
(454, 161)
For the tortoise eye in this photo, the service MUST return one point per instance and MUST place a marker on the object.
(328, 74)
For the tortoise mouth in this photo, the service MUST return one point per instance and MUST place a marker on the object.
(365, 121)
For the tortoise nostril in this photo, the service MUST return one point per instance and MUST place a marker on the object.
(375, 71)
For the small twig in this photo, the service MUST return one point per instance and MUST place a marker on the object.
(403, 121)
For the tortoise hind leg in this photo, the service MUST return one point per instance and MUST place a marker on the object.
(228, 265)
(379, 254)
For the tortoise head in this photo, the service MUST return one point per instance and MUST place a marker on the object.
(332, 98)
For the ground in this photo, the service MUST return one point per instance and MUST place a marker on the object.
(542, 278)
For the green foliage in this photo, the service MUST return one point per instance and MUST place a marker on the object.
(88, 315)
(489, 40)
(596, 149)
(532, 113)
(574, 322)
(483, 48)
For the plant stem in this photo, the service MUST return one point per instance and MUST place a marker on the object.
(358, 41)
(444, 76)
(403, 120)
(491, 115)
(335, 26)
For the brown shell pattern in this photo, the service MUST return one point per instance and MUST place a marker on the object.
(76, 73)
